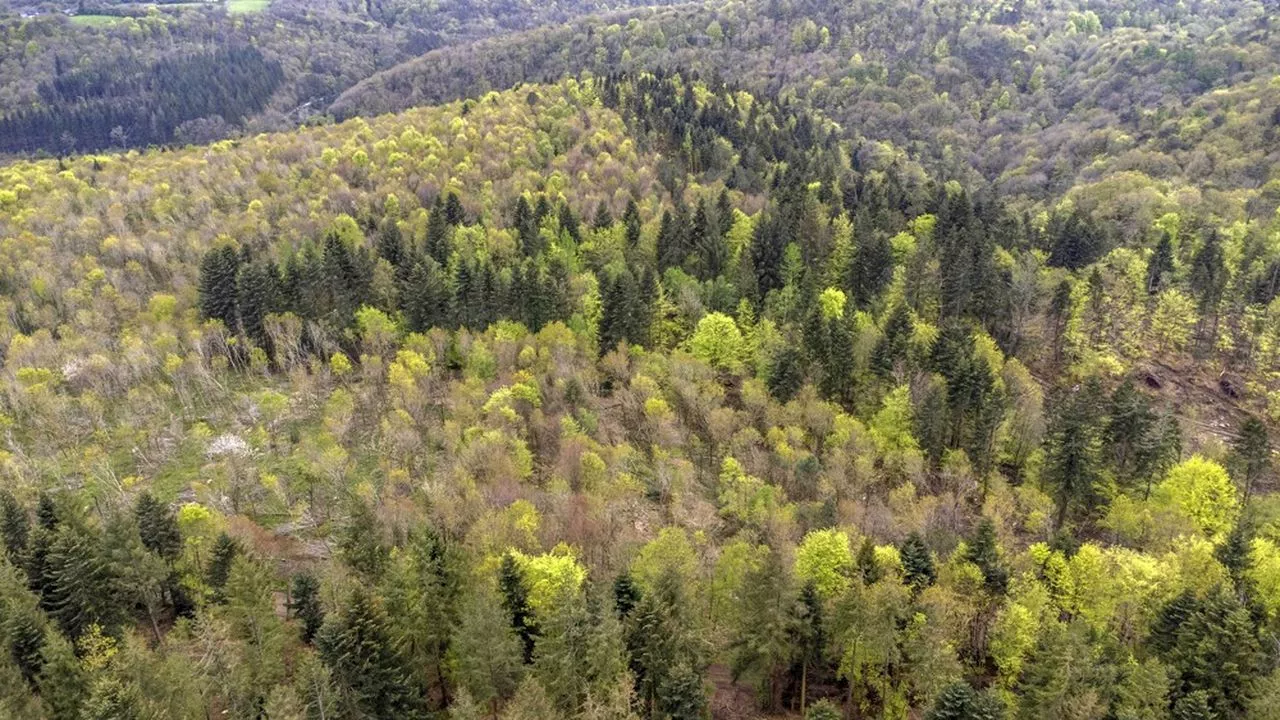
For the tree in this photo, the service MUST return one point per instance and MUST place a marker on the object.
(361, 542)
(304, 605)
(158, 527)
(1251, 454)
(917, 563)
(357, 646)
(1212, 646)
(808, 637)
(666, 657)
(786, 376)
(763, 643)
(718, 342)
(225, 551)
(219, 286)
(1201, 491)
(959, 701)
(1072, 465)
(15, 527)
(82, 586)
(515, 598)
(983, 550)
(1160, 266)
(487, 652)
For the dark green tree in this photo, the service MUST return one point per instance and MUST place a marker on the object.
(225, 551)
(1251, 455)
(15, 527)
(357, 646)
(917, 563)
(1073, 462)
(158, 527)
(515, 598)
(219, 286)
(1160, 266)
(959, 701)
(304, 605)
(361, 544)
(983, 550)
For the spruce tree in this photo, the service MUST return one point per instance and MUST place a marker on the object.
(158, 527)
(15, 527)
(626, 595)
(603, 219)
(489, 655)
(891, 349)
(515, 598)
(357, 646)
(1251, 454)
(225, 551)
(83, 587)
(361, 544)
(983, 550)
(917, 563)
(304, 605)
(219, 272)
(631, 223)
(1160, 266)
(763, 643)
(959, 701)
(786, 376)
(1073, 454)
(439, 236)
(454, 213)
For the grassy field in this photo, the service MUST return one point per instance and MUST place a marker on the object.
(247, 6)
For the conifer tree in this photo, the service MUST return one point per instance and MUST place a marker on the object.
(603, 219)
(488, 652)
(304, 605)
(63, 682)
(666, 657)
(917, 563)
(454, 213)
(526, 226)
(786, 376)
(631, 223)
(959, 701)
(984, 551)
(626, 595)
(361, 544)
(225, 551)
(808, 637)
(82, 584)
(219, 272)
(515, 598)
(1160, 266)
(439, 235)
(763, 642)
(158, 527)
(15, 527)
(1074, 451)
(1251, 454)
(357, 646)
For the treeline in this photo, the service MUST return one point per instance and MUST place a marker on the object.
(143, 104)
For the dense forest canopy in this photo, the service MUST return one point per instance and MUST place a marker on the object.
(741, 359)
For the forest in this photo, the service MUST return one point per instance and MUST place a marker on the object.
(598, 371)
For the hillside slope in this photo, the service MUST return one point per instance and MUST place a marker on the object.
(578, 399)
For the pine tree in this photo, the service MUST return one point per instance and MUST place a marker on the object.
(1072, 465)
(438, 242)
(425, 296)
(454, 213)
(488, 652)
(626, 595)
(526, 227)
(219, 271)
(891, 349)
(82, 585)
(917, 563)
(158, 527)
(1193, 706)
(1160, 266)
(808, 637)
(390, 242)
(15, 527)
(786, 376)
(258, 295)
(631, 222)
(763, 642)
(868, 569)
(22, 631)
(580, 658)
(983, 550)
(1128, 421)
(603, 219)
(870, 268)
(225, 551)
(304, 605)
(959, 701)
(63, 682)
(358, 649)
(515, 598)
(1251, 454)
(361, 542)
(666, 658)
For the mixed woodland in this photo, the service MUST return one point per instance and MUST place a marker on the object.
(784, 365)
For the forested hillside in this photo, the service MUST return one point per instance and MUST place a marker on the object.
(763, 358)
(118, 74)
(634, 395)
